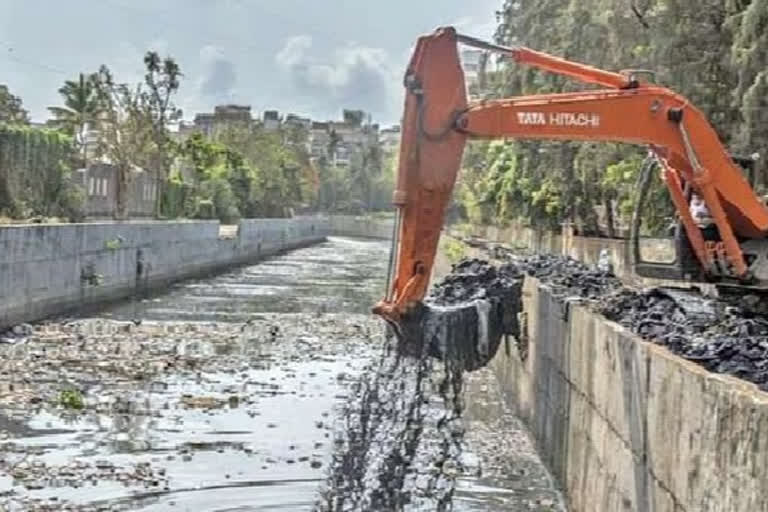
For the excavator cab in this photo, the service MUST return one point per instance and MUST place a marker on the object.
(684, 266)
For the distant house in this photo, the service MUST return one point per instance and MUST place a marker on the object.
(271, 120)
(390, 139)
(319, 138)
(204, 124)
(471, 60)
(230, 114)
(293, 119)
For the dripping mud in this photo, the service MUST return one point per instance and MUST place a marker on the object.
(402, 442)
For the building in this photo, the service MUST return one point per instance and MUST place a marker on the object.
(389, 139)
(233, 114)
(100, 183)
(204, 124)
(349, 138)
(472, 61)
(319, 138)
(271, 120)
(210, 123)
(296, 120)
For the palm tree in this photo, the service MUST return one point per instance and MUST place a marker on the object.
(82, 108)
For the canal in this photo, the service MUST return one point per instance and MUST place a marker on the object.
(222, 394)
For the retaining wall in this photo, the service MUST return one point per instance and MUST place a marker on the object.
(625, 425)
(50, 269)
(361, 226)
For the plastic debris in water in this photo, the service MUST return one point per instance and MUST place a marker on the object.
(604, 262)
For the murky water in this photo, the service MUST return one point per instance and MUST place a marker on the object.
(191, 410)
(341, 275)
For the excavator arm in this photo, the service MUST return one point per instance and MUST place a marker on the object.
(438, 120)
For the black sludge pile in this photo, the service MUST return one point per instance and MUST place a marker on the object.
(724, 336)
(720, 337)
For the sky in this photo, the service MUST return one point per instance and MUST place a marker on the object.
(310, 57)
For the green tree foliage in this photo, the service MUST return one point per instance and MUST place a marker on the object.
(125, 132)
(81, 111)
(277, 173)
(715, 52)
(11, 109)
(243, 173)
(161, 83)
(218, 173)
(35, 174)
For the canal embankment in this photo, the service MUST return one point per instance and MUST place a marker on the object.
(53, 269)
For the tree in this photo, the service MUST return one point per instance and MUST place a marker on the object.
(714, 52)
(125, 138)
(11, 110)
(162, 81)
(749, 56)
(82, 109)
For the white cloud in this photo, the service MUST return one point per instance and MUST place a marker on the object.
(219, 76)
(353, 76)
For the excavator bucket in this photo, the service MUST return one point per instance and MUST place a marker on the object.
(466, 317)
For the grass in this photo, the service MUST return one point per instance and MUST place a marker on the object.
(71, 399)
(453, 249)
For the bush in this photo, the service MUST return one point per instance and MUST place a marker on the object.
(218, 191)
(72, 203)
(204, 209)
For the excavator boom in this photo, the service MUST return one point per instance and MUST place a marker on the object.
(438, 120)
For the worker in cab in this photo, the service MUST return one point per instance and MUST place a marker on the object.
(703, 219)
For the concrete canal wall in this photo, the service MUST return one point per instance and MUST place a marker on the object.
(51, 269)
(361, 226)
(624, 424)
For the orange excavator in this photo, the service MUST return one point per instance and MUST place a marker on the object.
(438, 120)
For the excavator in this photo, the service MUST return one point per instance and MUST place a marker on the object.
(682, 146)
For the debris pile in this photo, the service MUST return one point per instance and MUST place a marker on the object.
(722, 335)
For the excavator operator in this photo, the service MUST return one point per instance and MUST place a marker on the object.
(703, 219)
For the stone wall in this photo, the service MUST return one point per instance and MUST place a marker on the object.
(47, 269)
(625, 425)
